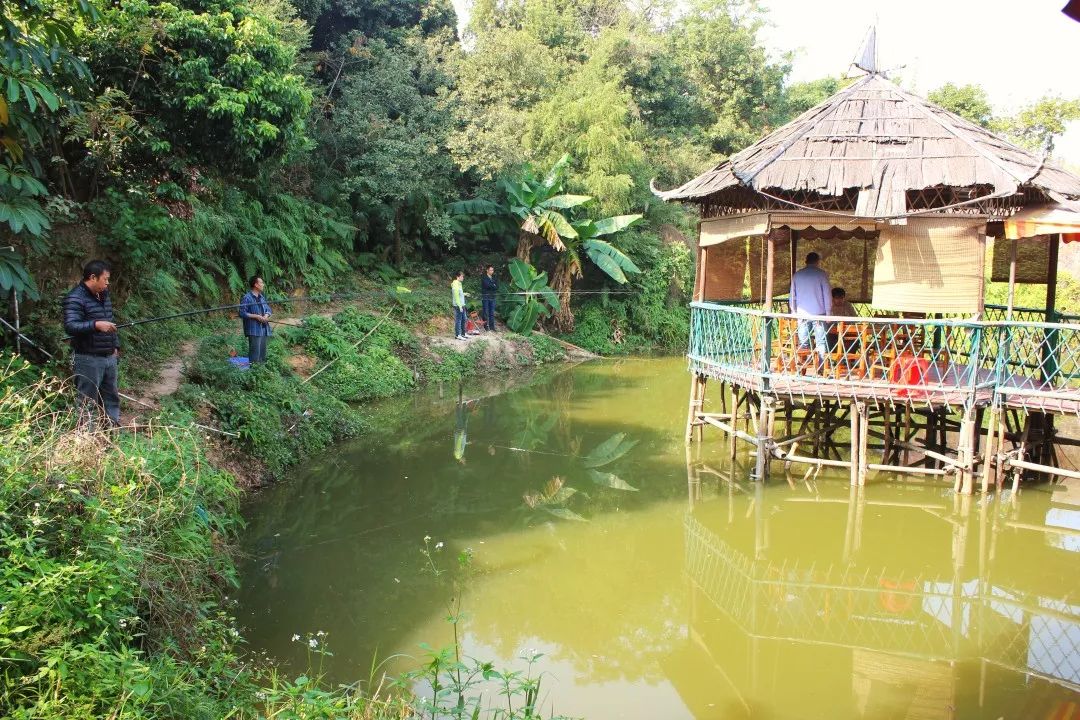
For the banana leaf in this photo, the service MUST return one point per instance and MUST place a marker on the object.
(610, 480)
(564, 514)
(609, 451)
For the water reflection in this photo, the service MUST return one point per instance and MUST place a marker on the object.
(956, 634)
(672, 586)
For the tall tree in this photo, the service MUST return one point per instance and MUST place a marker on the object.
(497, 84)
(968, 101)
(737, 85)
(386, 144)
(593, 116)
(1040, 123)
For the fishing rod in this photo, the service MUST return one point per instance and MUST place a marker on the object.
(219, 308)
(292, 301)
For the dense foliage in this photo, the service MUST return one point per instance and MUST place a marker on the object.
(194, 143)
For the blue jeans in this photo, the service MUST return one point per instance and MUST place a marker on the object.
(459, 321)
(487, 312)
(95, 379)
(257, 349)
(821, 342)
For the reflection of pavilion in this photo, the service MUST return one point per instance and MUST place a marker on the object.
(775, 613)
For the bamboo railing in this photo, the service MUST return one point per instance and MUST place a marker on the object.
(957, 363)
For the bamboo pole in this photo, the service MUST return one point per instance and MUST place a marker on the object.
(693, 408)
(855, 434)
(761, 467)
(731, 430)
(989, 464)
(863, 440)
(732, 450)
(1072, 474)
(999, 467)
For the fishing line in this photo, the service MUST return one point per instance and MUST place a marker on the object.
(293, 301)
(526, 450)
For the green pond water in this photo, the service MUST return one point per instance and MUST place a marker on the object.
(664, 586)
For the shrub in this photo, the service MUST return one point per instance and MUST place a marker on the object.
(113, 556)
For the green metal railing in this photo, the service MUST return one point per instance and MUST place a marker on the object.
(952, 362)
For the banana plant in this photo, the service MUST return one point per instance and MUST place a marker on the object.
(531, 297)
(603, 254)
(534, 207)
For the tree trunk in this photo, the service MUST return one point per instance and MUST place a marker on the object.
(526, 241)
(561, 281)
(399, 251)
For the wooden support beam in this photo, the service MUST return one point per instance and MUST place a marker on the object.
(731, 430)
(855, 434)
(1048, 469)
(863, 413)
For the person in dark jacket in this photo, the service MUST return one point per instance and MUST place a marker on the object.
(489, 286)
(88, 319)
(255, 314)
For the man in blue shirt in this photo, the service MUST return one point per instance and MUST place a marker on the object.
(811, 296)
(255, 314)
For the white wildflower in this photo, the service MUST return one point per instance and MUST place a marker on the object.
(427, 538)
(313, 643)
(296, 638)
(439, 546)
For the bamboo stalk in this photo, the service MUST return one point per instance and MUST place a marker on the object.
(1072, 474)
(731, 431)
(855, 433)
(863, 439)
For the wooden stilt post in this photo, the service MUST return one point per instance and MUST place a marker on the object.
(989, 463)
(864, 437)
(1003, 428)
(1020, 451)
(764, 429)
(697, 399)
(1012, 281)
(965, 479)
(855, 435)
(732, 438)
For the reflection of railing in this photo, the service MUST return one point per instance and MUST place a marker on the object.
(940, 362)
(933, 619)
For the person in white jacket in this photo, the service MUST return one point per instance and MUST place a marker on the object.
(811, 297)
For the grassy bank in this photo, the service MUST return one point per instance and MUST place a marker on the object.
(115, 561)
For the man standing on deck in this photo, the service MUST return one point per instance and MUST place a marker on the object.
(811, 295)
(255, 314)
(457, 300)
(489, 286)
(88, 319)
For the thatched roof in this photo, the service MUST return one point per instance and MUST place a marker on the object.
(883, 141)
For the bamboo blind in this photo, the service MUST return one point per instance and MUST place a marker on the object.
(1032, 259)
(930, 265)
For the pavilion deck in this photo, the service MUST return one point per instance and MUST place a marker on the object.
(889, 368)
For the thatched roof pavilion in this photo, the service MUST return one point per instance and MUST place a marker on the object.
(874, 150)
(898, 197)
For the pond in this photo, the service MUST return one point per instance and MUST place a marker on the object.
(658, 584)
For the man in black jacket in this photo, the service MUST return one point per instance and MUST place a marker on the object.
(489, 286)
(88, 319)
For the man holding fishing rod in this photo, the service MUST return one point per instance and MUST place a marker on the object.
(255, 313)
(88, 319)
